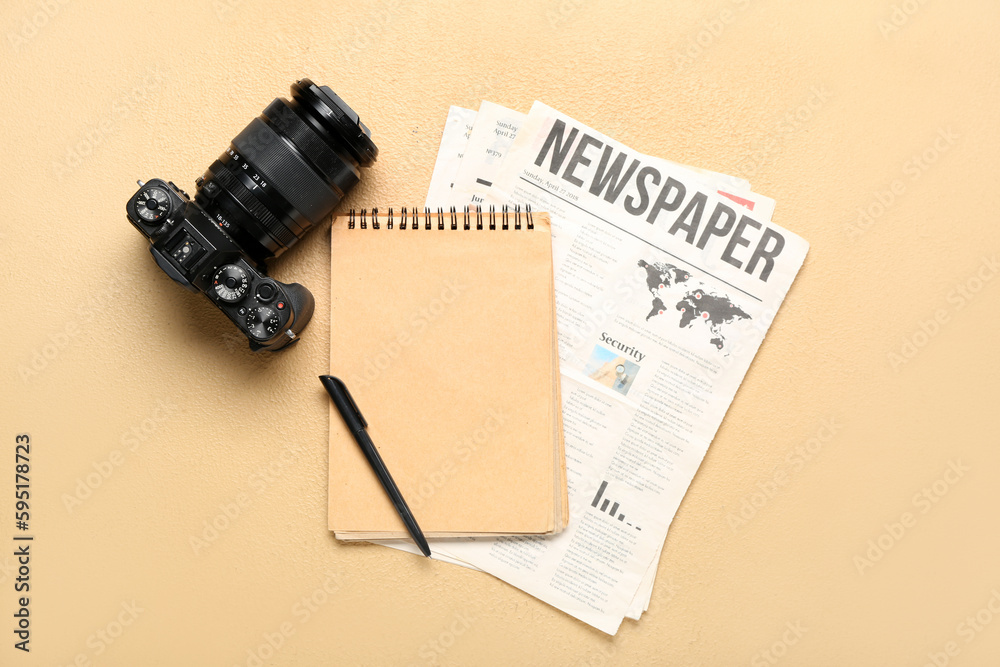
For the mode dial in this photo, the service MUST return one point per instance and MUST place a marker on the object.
(230, 283)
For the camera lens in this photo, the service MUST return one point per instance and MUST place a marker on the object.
(287, 170)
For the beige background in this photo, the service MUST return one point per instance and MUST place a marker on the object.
(100, 94)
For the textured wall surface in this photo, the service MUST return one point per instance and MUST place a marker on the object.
(151, 421)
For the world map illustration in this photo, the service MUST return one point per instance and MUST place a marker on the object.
(696, 305)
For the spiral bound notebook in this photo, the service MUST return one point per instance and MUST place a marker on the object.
(443, 328)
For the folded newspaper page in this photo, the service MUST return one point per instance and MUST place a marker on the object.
(492, 134)
(457, 128)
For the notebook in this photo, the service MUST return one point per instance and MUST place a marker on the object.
(443, 328)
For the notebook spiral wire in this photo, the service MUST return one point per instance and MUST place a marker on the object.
(469, 218)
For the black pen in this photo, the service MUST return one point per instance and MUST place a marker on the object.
(357, 424)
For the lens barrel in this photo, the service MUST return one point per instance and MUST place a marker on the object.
(287, 170)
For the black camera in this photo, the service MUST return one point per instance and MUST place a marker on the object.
(280, 177)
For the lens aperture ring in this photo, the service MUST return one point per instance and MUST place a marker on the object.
(290, 175)
(340, 173)
(240, 193)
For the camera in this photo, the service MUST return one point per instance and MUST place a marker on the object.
(279, 178)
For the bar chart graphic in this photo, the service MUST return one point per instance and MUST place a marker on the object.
(610, 511)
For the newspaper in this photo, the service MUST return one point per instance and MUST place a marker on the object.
(484, 150)
(664, 292)
(457, 128)
(492, 134)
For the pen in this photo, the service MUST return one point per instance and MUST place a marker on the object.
(357, 424)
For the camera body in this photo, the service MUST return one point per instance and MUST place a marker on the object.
(198, 254)
(279, 178)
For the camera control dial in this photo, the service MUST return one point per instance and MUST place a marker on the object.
(152, 205)
(230, 283)
(263, 322)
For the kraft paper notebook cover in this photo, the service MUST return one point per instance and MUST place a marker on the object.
(443, 328)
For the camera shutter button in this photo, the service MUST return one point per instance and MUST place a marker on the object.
(266, 292)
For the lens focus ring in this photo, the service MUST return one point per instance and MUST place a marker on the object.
(340, 173)
(286, 171)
